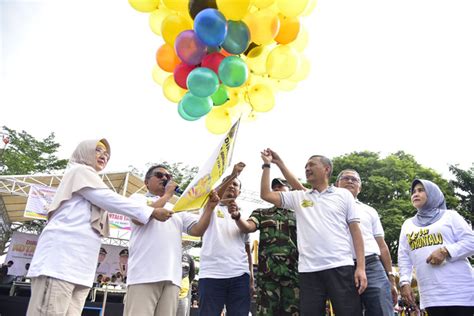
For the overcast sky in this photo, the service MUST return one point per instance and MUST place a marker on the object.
(385, 76)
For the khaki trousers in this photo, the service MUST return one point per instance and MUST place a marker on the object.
(152, 299)
(54, 297)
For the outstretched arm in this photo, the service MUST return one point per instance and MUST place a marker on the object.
(265, 192)
(200, 227)
(289, 176)
(235, 173)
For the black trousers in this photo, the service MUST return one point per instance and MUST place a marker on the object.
(337, 284)
(450, 311)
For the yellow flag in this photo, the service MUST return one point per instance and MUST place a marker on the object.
(197, 191)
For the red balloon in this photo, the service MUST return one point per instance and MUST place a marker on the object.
(212, 61)
(181, 73)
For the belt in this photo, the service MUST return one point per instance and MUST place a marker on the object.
(370, 259)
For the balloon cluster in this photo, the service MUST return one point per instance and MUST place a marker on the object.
(226, 58)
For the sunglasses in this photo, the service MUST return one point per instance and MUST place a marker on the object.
(160, 175)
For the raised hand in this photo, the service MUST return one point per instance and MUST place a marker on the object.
(238, 167)
(266, 155)
(276, 159)
(170, 187)
(161, 214)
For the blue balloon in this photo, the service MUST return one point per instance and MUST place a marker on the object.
(237, 38)
(211, 27)
(195, 106)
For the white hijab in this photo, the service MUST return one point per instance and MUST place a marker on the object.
(82, 174)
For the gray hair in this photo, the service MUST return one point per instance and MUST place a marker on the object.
(326, 162)
(346, 170)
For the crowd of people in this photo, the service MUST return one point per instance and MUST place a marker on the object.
(315, 244)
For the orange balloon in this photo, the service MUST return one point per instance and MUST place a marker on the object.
(289, 29)
(166, 58)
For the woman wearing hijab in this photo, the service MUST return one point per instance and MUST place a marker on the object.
(437, 243)
(65, 259)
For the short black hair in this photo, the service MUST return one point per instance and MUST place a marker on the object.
(227, 177)
(149, 173)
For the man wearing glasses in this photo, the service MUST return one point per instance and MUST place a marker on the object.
(381, 293)
(154, 264)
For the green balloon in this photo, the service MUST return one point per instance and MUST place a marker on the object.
(202, 82)
(220, 96)
(196, 106)
(233, 71)
(183, 114)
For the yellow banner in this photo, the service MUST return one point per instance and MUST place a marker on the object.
(197, 191)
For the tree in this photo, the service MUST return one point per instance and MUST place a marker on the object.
(27, 155)
(464, 185)
(23, 155)
(386, 187)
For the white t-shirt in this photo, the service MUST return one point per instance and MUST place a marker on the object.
(68, 247)
(155, 248)
(322, 223)
(370, 227)
(223, 252)
(448, 284)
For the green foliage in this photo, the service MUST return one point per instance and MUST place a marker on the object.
(464, 185)
(386, 186)
(27, 155)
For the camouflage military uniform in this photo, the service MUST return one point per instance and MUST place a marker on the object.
(277, 276)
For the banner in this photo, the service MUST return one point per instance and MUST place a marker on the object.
(39, 199)
(21, 249)
(118, 221)
(197, 191)
(112, 259)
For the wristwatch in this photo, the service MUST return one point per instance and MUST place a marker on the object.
(265, 165)
(235, 218)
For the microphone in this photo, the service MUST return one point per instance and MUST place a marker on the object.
(177, 190)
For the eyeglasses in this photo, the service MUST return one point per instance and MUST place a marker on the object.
(99, 152)
(160, 175)
(349, 178)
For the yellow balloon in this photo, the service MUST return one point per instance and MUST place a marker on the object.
(159, 75)
(310, 7)
(282, 62)
(301, 41)
(144, 5)
(156, 18)
(303, 70)
(292, 8)
(218, 121)
(233, 9)
(257, 58)
(173, 25)
(176, 5)
(172, 91)
(261, 98)
(262, 4)
(289, 29)
(263, 25)
(284, 84)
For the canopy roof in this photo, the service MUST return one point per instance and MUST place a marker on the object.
(14, 190)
